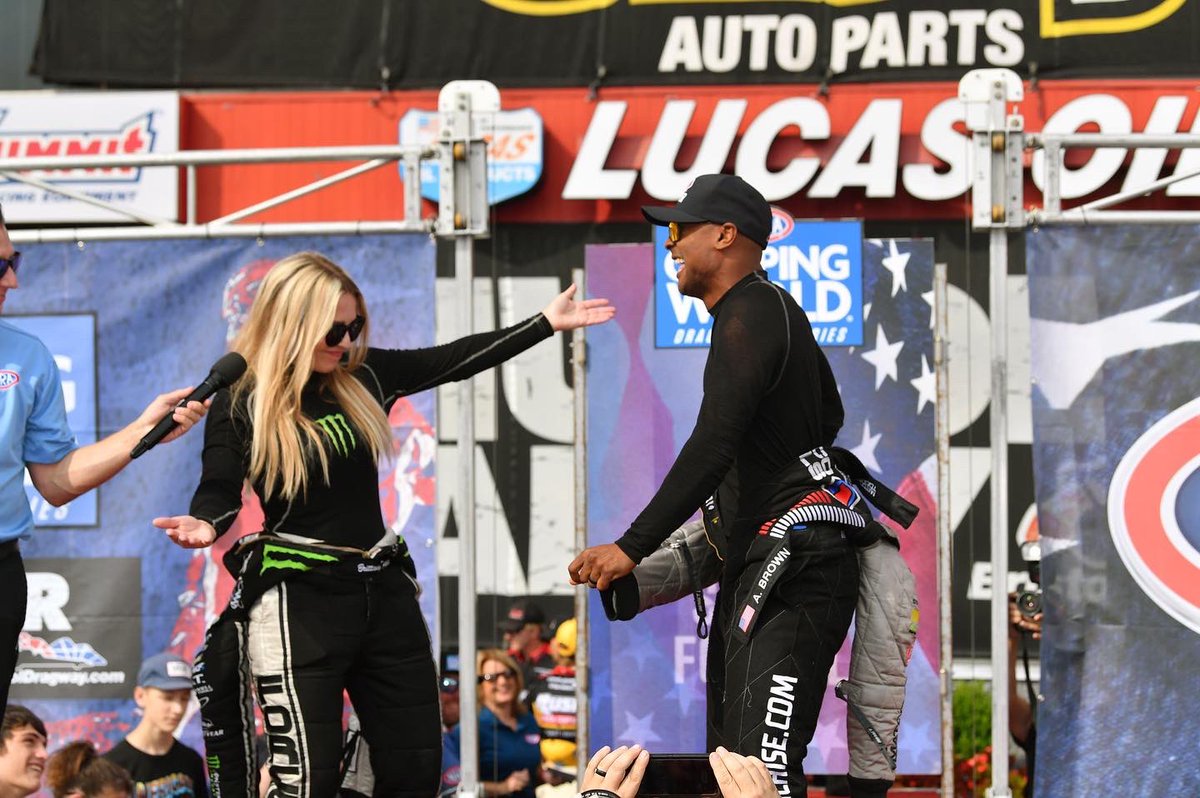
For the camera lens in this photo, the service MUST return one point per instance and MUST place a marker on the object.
(1029, 603)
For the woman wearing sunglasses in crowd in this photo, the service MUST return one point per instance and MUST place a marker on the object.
(510, 757)
(326, 598)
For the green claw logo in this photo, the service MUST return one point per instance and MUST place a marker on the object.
(339, 432)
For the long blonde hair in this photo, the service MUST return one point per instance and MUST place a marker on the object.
(294, 309)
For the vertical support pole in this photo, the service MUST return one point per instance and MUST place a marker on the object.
(583, 668)
(998, 308)
(941, 367)
(190, 211)
(465, 107)
(464, 519)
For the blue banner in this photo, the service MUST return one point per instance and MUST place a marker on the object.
(157, 315)
(648, 674)
(1116, 444)
(819, 263)
(71, 338)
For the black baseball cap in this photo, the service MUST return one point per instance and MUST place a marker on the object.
(718, 198)
(521, 613)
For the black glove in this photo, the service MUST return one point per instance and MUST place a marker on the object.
(621, 599)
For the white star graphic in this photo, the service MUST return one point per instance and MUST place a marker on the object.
(896, 264)
(926, 386)
(883, 357)
(928, 297)
(865, 450)
(866, 310)
(638, 730)
(1071, 355)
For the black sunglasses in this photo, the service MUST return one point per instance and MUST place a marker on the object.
(13, 263)
(492, 677)
(340, 329)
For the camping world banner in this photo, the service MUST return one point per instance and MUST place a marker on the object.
(126, 321)
(1116, 445)
(647, 674)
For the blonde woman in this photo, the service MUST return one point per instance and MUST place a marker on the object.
(510, 758)
(326, 599)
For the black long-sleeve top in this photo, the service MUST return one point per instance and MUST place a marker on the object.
(769, 396)
(345, 510)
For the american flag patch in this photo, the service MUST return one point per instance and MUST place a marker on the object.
(747, 618)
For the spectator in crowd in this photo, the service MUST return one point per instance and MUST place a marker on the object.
(1022, 721)
(158, 763)
(524, 629)
(509, 757)
(34, 436)
(448, 691)
(77, 771)
(552, 698)
(22, 752)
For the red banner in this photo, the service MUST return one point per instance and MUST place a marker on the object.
(875, 151)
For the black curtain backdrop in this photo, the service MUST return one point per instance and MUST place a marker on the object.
(423, 44)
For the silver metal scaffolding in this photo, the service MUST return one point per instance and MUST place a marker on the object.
(998, 145)
(466, 108)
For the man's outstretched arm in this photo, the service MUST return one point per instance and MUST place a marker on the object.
(89, 466)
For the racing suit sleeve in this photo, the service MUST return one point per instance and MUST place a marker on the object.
(833, 414)
(748, 346)
(401, 372)
(218, 498)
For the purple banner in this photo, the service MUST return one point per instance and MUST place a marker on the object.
(647, 674)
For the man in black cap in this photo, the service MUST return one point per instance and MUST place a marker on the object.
(523, 631)
(770, 406)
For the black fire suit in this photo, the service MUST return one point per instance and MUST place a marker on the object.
(326, 598)
(769, 397)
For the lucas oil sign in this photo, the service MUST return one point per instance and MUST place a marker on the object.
(818, 263)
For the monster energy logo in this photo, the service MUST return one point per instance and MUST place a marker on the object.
(339, 432)
(270, 560)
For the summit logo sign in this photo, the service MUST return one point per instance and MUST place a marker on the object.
(82, 125)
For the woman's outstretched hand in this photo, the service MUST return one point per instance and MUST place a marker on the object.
(565, 313)
(186, 531)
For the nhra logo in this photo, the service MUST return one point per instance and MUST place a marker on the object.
(132, 138)
(8, 379)
(782, 225)
(1154, 513)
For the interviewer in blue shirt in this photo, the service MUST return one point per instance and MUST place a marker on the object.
(34, 435)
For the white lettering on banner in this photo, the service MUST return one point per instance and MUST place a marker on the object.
(659, 177)
(691, 655)
(1108, 113)
(758, 42)
(875, 135)
(804, 113)
(536, 393)
(48, 594)
(980, 586)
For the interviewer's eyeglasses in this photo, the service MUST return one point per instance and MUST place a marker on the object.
(491, 677)
(340, 329)
(13, 263)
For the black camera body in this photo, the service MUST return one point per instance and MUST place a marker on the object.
(1029, 600)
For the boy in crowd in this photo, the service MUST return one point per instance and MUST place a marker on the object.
(159, 764)
(22, 752)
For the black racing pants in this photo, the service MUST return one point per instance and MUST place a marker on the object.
(13, 595)
(316, 634)
(765, 692)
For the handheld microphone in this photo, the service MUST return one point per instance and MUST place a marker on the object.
(224, 372)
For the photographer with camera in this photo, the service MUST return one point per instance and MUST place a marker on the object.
(1024, 620)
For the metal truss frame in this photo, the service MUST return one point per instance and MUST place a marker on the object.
(998, 145)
